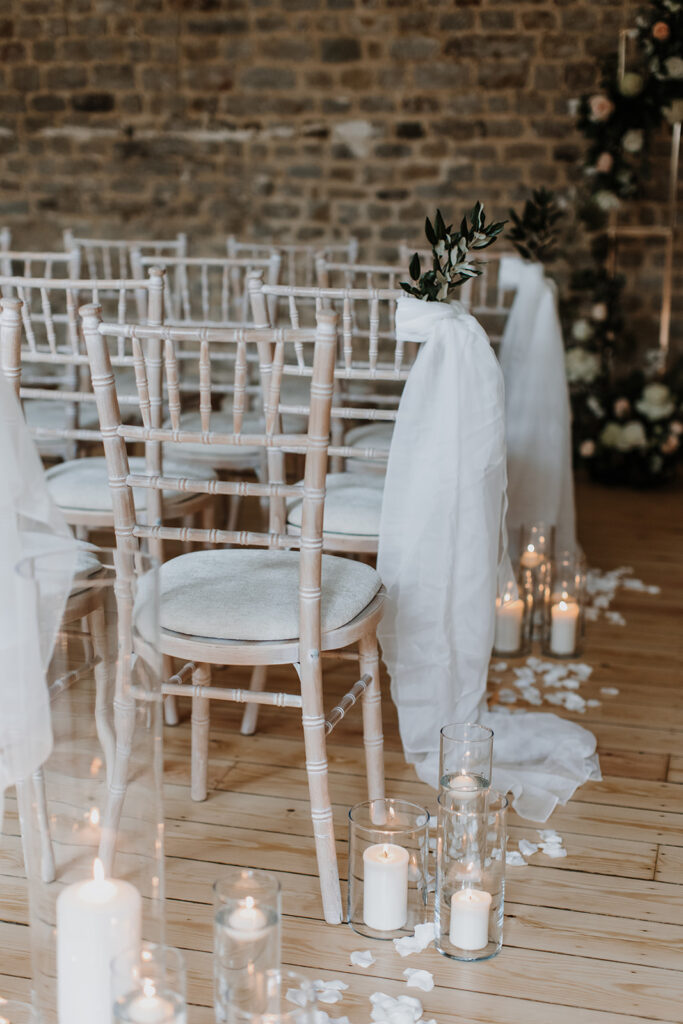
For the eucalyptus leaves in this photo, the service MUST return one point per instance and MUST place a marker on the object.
(453, 255)
(535, 234)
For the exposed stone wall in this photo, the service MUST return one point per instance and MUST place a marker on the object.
(293, 119)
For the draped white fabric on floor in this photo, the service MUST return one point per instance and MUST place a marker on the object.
(537, 409)
(29, 524)
(441, 546)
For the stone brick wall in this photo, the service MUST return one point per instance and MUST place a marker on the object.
(294, 119)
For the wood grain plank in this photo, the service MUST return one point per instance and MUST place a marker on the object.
(670, 865)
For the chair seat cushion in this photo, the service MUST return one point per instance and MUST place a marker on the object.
(221, 423)
(84, 484)
(244, 594)
(353, 504)
(371, 435)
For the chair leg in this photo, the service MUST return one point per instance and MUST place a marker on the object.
(208, 517)
(373, 739)
(234, 504)
(188, 523)
(170, 703)
(257, 685)
(200, 733)
(105, 732)
(313, 720)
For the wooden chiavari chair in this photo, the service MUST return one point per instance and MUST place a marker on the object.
(298, 258)
(107, 259)
(258, 602)
(45, 312)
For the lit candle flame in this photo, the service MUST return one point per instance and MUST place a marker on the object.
(94, 816)
(563, 606)
(386, 852)
(149, 988)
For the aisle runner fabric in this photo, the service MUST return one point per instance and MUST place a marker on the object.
(442, 542)
(537, 409)
(29, 524)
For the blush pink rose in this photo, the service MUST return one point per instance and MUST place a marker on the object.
(600, 107)
(670, 445)
(604, 163)
(587, 449)
(661, 31)
(622, 407)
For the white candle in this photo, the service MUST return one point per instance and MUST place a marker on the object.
(385, 887)
(509, 617)
(564, 619)
(531, 559)
(470, 918)
(247, 922)
(464, 786)
(97, 920)
(147, 1007)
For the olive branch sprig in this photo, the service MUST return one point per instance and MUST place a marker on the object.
(453, 255)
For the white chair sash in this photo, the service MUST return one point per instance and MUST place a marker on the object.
(442, 543)
(537, 409)
(29, 523)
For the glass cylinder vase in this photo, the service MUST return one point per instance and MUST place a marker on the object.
(514, 618)
(288, 998)
(91, 816)
(149, 986)
(247, 939)
(388, 868)
(562, 626)
(470, 876)
(536, 546)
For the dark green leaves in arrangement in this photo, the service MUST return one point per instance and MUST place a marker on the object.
(534, 234)
(453, 260)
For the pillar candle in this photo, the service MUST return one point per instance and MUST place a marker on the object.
(509, 618)
(470, 918)
(385, 887)
(97, 920)
(531, 559)
(564, 621)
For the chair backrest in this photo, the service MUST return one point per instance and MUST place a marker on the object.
(15, 263)
(271, 347)
(481, 296)
(109, 258)
(371, 365)
(297, 258)
(209, 290)
(52, 341)
(5, 238)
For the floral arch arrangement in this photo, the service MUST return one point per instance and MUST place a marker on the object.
(626, 430)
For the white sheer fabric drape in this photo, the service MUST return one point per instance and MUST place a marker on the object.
(29, 524)
(537, 409)
(441, 547)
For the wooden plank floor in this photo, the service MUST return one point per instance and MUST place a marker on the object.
(596, 938)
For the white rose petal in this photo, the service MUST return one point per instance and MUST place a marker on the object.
(362, 958)
(419, 979)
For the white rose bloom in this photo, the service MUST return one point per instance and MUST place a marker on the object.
(581, 330)
(582, 366)
(674, 67)
(611, 435)
(632, 436)
(599, 312)
(607, 200)
(656, 402)
(631, 84)
(632, 141)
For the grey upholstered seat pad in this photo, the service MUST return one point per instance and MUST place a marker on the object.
(84, 483)
(254, 595)
(353, 504)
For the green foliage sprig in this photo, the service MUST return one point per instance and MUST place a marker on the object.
(535, 234)
(453, 255)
